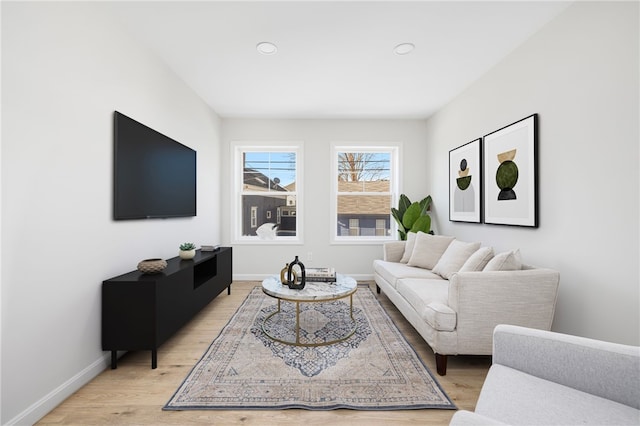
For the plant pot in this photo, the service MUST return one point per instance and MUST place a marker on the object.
(187, 254)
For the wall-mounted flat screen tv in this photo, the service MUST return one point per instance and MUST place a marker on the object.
(154, 175)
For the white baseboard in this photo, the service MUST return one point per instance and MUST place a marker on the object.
(50, 401)
(260, 277)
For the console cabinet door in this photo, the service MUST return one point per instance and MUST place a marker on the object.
(128, 315)
(173, 298)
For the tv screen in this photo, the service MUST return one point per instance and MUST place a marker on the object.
(154, 176)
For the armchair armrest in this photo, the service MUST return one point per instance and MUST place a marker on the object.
(604, 369)
(482, 300)
(393, 250)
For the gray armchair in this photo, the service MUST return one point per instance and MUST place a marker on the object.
(545, 378)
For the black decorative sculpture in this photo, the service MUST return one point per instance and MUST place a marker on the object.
(296, 279)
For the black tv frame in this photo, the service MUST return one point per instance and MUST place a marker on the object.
(154, 176)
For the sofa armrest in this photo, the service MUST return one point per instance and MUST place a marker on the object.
(467, 418)
(482, 300)
(393, 251)
(607, 370)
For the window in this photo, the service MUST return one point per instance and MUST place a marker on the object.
(354, 227)
(254, 216)
(365, 181)
(267, 200)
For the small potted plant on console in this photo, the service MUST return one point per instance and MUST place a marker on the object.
(187, 251)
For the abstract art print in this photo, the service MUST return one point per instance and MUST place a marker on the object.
(465, 183)
(510, 180)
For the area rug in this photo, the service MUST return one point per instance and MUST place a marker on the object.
(374, 369)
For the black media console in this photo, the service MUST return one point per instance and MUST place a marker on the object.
(141, 311)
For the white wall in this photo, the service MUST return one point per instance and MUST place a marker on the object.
(256, 261)
(65, 68)
(580, 74)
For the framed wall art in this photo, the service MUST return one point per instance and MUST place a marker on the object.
(465, 183)
(510, 184)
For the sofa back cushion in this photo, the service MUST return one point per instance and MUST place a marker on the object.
(507, 261)
(428, 249)
(408, 247)
(454, 257)
(478, 260)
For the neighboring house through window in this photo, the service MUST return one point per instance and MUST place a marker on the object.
(267, 201)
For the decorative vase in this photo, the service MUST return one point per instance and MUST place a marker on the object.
(283, 271)
(152, 266)
(283, 275)
(187, 254)
(296, 277)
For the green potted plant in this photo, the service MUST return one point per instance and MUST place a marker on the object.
(187, 251)
(412, 217)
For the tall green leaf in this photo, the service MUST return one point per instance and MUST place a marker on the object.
(397, 216)
(422, 223)
(410, 216)
(425, 204)
(403, 205)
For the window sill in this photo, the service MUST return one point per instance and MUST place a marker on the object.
(274, 242)
(361, 241)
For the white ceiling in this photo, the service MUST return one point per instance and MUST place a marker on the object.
(335, 59)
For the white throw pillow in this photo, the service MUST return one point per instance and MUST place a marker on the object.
(454, 257)
(408, 247)
(478, 260)
(428, 249)
(507, 261)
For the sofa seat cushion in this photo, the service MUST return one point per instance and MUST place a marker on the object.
(429, 299)
(393, 271)
(535, 401)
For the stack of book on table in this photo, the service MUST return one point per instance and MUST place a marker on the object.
(325, 275)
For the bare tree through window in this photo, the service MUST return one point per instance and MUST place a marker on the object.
(362, 166)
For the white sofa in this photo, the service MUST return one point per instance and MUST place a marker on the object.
(546, 378)
(455, 293)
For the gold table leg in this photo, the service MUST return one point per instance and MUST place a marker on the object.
(297, 325)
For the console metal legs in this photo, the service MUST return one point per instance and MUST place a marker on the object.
(154, 359)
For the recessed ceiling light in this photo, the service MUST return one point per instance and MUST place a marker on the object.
(266, 48)
(404, 48)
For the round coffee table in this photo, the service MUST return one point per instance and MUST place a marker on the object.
(313, 292)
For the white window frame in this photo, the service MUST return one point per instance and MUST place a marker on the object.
(395, 149)
(237, 170)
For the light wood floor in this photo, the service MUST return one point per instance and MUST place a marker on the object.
(135, 394)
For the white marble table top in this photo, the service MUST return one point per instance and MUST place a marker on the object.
(312, 290)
